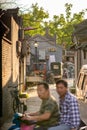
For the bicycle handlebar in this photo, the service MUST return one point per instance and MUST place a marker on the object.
(82, 128)
(15, 85)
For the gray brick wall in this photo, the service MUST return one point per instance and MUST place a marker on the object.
(46, 45)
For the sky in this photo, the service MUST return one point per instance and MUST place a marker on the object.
(56, 7)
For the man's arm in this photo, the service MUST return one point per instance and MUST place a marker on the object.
(31, 114)
(75, 114)
(34, 114)
(41, 117)
(49, 107)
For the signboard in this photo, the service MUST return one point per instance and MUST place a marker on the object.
(52, 49)
(56, 67)
(41, 54)
(52, 58)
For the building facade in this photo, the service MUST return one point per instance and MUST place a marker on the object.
(46, 51)
(79, 38)
(10, 59)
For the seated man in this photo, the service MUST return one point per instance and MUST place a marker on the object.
(48, 113)
(69, 109)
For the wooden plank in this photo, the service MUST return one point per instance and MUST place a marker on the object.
(33, 79)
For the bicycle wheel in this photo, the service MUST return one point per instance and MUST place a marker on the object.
(24, 108)
(20, 107)
(15, 105)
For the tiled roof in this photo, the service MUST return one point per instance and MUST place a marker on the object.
(79, 28)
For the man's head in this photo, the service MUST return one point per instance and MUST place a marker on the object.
(43, 90)
(61, 87)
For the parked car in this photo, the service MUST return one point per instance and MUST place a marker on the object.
(81, 85)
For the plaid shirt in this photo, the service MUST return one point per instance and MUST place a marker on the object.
(69, 111)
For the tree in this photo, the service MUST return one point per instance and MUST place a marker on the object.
(35, 18)
(64, 26)
(5, 4)
(61, 25)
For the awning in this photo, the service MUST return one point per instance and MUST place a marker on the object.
(82, 46)
(73, 47)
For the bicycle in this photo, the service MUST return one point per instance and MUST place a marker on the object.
(19, 104)
(82, 126)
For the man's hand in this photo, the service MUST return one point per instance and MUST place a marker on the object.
(42, 117)
(26, 118)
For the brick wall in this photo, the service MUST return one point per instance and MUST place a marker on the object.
(10, 69)
(6, 77)
(0, 77)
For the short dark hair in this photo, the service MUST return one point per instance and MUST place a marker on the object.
(61, 81)
(46, 86)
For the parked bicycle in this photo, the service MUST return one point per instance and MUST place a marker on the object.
(19, 104)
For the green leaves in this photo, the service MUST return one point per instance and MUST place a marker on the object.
(61, 25)
(35, 18)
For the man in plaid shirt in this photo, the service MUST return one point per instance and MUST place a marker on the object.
(69, 110)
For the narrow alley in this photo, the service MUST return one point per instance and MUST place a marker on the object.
(34, 102)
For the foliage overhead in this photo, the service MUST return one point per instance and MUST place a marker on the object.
(61, 25)
(35, 18)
